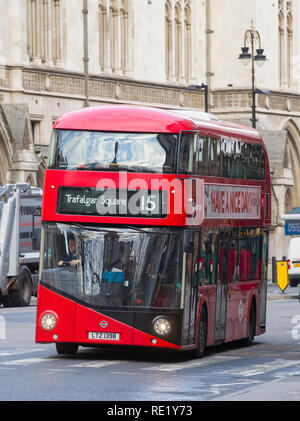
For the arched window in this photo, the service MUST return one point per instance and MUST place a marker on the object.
(125, 37)
(187, 41)
(44, 34)
(29, 180)
(291, 161)
(178, 39)
(5, 154)
(168, 39)
(114, 39)
(40, 175)
(289, 47)
(103, 35)
(281, 46)
(114, 36)
(56, 32)
(288, 201)
(285, 41)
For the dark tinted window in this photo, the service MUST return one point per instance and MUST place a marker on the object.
(225, 157)
(232, 256)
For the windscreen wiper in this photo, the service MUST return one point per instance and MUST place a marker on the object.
(99, 167)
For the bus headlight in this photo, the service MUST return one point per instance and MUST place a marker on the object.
(162, 326)
(48, 321)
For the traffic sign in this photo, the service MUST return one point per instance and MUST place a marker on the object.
(292, 227)
(282, 274)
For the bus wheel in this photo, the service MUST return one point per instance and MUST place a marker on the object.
(21, 297)
(66, 348)
(251, 326)
(202, 334)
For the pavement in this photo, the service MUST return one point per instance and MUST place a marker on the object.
(275, 293)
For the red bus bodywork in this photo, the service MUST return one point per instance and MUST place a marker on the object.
(75, 319)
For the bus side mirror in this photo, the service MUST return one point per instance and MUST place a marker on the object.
(188, 241)
(36, 231)
(36, 239)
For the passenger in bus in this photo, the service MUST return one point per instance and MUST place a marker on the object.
(70, 258)
(199, 269)
(244, 264)
(209, 259)
(255, 272)
(231, 261)
(148, 291)
(224, 263)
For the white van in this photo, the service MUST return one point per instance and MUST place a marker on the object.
(293, 256)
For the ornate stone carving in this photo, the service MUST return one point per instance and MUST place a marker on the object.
(164, 95)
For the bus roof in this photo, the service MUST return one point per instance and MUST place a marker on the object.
(130, 118)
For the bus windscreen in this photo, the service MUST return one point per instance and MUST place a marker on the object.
(110, 151)
(113, 267)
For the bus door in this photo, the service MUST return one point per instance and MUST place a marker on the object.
(222, 286)
(264, 277)
(189, 298)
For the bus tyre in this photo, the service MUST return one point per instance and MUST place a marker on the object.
(66, 348)
(21, 296)
(251, 325)
(202, 334)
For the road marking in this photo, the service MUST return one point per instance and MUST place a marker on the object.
(25, 361)
(9, 353)
(190, 364)
(237, 383)
(244, 392)
(97, 364)
(51, 370)
(258, 369)
(127, 373)
(214, 392)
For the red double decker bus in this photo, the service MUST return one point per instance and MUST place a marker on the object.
(154, 231)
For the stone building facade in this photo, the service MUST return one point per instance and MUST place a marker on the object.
(148, 52)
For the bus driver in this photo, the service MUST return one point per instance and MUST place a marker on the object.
(70, 258)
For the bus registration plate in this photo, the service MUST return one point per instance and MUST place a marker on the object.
(108, 336)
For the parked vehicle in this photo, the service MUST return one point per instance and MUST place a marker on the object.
(293, 256)
(20, 233)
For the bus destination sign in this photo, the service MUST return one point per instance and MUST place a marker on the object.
(112, 202)
(232, 201)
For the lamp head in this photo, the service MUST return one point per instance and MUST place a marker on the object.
(260, 58)
(245, 56)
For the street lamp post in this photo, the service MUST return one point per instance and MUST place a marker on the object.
(252, 38)
(85, 12)
(205, 88)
